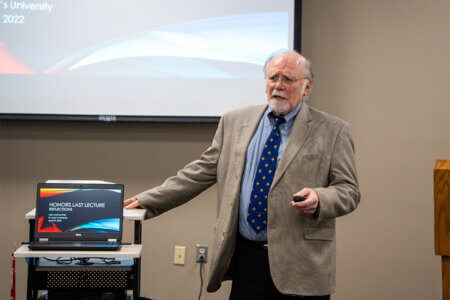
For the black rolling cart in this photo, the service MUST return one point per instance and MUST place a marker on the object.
(108, 275)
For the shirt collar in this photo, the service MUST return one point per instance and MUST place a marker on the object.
(290, 116)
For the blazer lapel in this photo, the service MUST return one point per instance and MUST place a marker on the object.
(244, 136)
(299, 133)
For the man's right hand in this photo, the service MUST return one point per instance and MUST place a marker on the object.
(131, 203)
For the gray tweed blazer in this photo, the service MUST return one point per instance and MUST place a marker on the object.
(319, 154)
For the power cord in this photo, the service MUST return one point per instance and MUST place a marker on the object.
(110, 261)
(202, 259)
(60, 260)
(83, 260)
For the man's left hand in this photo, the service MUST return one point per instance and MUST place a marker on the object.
(309, 205)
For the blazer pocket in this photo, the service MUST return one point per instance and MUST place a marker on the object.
(319, 233)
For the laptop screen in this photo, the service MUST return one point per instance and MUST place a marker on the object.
(79, 212)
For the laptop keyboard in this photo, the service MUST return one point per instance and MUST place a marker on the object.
(72, 245)
(98, 242)
(80, 242)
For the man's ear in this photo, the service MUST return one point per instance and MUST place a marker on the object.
(307, 87)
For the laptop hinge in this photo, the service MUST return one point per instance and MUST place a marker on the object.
(43, 239)
(112, 240)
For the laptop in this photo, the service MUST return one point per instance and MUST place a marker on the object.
(78, 217)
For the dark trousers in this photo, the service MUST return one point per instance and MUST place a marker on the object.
(251, 275)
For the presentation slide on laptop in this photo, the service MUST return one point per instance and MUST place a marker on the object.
(79, 210)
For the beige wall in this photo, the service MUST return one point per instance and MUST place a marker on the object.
(383, 66)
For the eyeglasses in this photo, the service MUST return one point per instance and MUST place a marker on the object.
(284, 79)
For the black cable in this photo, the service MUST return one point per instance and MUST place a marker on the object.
(60, 260)
(201, 278)
(84, 260)
(110, 261)
(105, 260)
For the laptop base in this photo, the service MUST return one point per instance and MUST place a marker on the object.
(82, 246)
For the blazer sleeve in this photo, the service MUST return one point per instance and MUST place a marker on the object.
(190, 181)
(342, 195)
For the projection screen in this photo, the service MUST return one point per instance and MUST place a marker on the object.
(137, 60)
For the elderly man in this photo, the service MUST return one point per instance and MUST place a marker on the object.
(261, 157)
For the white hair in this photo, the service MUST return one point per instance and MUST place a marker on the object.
(308, 64)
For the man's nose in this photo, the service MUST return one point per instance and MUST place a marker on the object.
(279, 85)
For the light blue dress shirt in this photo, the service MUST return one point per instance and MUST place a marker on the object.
(254, 152)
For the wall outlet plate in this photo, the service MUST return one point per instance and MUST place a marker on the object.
(202, 252)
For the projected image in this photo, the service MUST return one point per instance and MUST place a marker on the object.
(134, 57)
(210, 48)
(79, 210)
(10, 63)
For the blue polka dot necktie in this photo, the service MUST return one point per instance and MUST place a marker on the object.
(257, 209)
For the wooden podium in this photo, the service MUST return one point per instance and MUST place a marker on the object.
(442, 220)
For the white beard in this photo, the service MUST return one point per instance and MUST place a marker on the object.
(279, 107)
